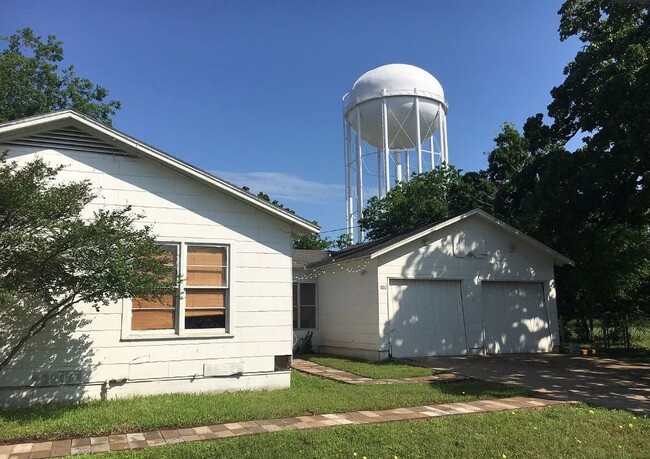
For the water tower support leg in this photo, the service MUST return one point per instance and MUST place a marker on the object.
(398, 165)
(418, 137)
(349, 204)
(359, 163)
(441, 134)
(407, 156)
(445, 158)
(386, 149)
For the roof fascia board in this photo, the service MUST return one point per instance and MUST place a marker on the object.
(115, 137)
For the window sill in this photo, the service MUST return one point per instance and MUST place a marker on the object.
(174, 336)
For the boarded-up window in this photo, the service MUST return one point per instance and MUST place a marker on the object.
(304, 305)
(157, 314)
(206, 289)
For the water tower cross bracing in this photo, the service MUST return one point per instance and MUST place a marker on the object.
(394, 125)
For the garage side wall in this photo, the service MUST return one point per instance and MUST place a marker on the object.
(348, 311)
(470, 251)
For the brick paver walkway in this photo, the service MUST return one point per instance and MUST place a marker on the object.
(141, 440)
(314, 369)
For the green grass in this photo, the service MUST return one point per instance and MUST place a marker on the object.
(386, 369)
(562, 432)
(307, 395)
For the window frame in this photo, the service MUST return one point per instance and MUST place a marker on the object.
(300, 306)
(179, 331)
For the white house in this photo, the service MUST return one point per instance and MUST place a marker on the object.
(471, 284)
(229, 329)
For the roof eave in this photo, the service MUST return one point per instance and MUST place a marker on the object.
(300, 226)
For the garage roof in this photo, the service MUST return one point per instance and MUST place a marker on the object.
(373, 249)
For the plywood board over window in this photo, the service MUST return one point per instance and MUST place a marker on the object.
(206, 287)
(157, 313)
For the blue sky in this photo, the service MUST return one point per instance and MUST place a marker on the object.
(251, 90)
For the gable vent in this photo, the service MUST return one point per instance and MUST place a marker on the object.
(69, 138)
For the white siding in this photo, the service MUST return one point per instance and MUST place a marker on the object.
(179, 209)
(348, 310)
(499, 256)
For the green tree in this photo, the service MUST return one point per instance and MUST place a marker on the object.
(508, 157)
(593, 204)
(318, 242)
(343, 241)
(32, 83)
(557, 199)
(426, 198)
(605, 97)
(312, 242)
(308, 241)
(52, 257)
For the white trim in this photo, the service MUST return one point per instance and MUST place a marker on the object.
(36, 123)
(558, 257)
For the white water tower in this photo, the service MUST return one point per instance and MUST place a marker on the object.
(395, 124)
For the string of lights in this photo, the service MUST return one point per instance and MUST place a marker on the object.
(334, 268)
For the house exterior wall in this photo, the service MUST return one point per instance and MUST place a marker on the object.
(348, 310)
(98, 359)
(500, 257)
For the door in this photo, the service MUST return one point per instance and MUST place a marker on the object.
(515, 318)
(427, 318)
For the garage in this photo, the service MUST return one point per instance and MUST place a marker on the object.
(515, 317)
(463, 286)
(427, 318)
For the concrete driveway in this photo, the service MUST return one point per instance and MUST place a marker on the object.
(606, 382)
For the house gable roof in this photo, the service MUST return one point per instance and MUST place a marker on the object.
(374, 249)
(304, 258)
(74, 125)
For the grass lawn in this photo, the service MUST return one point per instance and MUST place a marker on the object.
(307, 395)
(575, 432)
(386, 369)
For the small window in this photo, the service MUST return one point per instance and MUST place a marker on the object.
(304, 305)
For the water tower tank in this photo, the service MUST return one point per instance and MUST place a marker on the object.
(395, 125)
(398, 84)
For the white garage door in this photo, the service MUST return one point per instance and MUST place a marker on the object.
(427, 318)
(515, 318)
